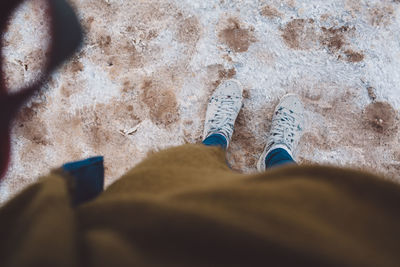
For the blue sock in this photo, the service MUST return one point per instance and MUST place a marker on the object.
(278, 157)
(216, 140)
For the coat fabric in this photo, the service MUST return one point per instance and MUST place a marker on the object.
(184, 207)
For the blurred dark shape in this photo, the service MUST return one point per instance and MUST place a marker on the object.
(66, 37)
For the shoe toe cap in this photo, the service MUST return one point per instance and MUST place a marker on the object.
(231, 87)
(292, 102)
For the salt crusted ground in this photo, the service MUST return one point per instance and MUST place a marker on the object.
(147, 68)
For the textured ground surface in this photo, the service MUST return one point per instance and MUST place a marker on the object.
(147, 68)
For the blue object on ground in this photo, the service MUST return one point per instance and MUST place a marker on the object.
(89, 178)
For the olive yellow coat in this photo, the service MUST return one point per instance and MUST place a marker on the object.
(185, 207)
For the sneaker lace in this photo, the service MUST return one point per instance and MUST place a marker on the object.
(283, 128)
(224, 118)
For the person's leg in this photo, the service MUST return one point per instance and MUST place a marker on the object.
(223, 109)
(286, 130)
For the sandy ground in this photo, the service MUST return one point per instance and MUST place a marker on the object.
(147, 68)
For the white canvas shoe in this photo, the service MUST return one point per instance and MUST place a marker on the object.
(223, 109)
(286, 129)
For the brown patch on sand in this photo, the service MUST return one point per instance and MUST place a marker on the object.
(135, 59)
(28, 113)
(217, 74)
(352, 56)
(245, 142)
(30, 126)
(381, 117)
(324, 17)
(128, 58)
(147, 34)
(226, 74)
(227, 58)
(188, 122)
(98, 125)
(290, 3)
(353, 5)
(246, 93)
(161, 102)
(127, 87)
(336, 41)
(104, 42)
(371, 93)
(316, 139)
(270, 12)
(243, 136)
(65, 91)
(69, 88)
(381, 15)
(265, 57)
(76, 66)
(236, 37)
(300, 34)
(127, 54)
(87, 24)
(151, 35)
(313, 94)
(334, 38)
(189, 31)
(35, 61)
(98, 133)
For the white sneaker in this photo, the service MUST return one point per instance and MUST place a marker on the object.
(223, 109)
(286, 129)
